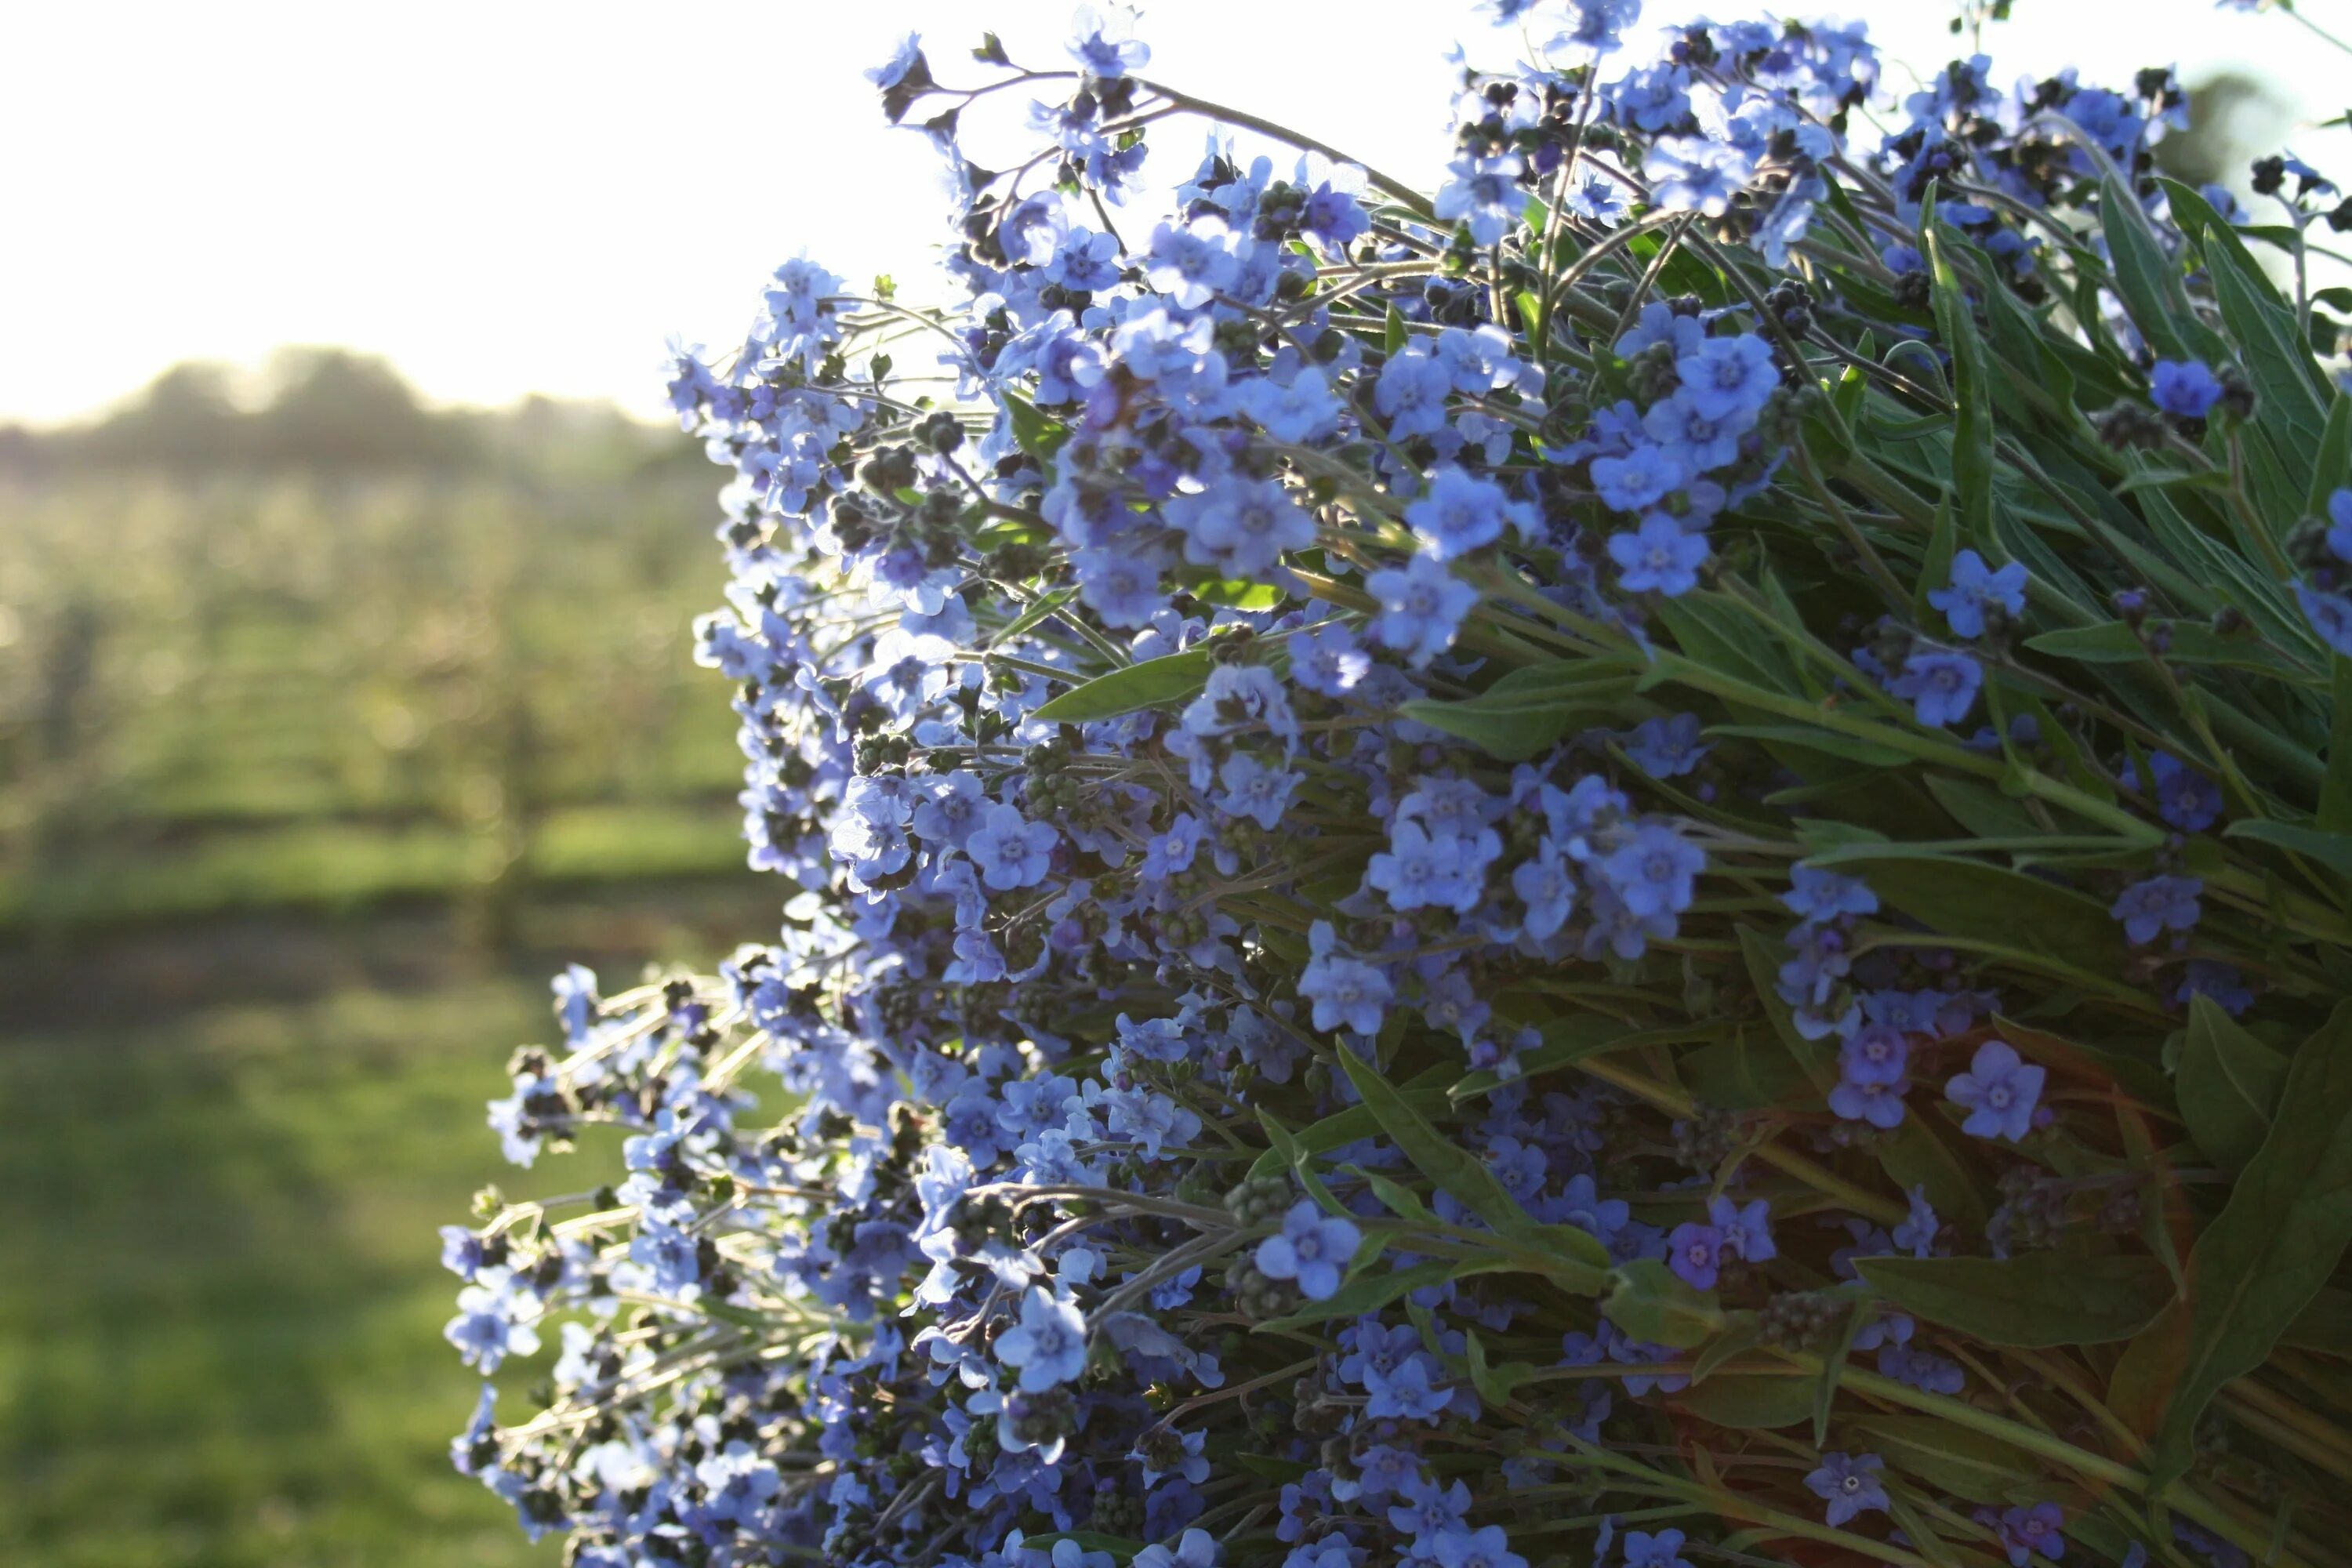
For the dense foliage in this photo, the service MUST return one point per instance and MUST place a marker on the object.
(1637, 865)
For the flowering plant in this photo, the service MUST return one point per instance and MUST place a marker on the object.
(1644, 862)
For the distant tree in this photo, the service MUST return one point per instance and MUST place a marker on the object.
(332, 409)
(2233, 117)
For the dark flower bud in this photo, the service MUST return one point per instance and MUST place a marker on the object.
(2131, 604)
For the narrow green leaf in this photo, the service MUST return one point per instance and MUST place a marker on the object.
(1147, 685)
(1372, 1289)
(2229, 1084)
(1936, 566)
(1495, 1384)
(1833, 1367)
(2332, 468)
(1845, 747)
(2325, 1326)
(2330, 849)
(1037, 435)
(1764, 972)
(1919, 1154)
(2336, 793)
(1746, 1402)
(2033, 1300)
(1953, 1458)
(1393, 337)
(1509, 729)
(1740, 1074)
(2264, 1260)
(1651, 1303)
(1571, 1257)
(1973, 433)
(1742, 1335)
(2146, 280)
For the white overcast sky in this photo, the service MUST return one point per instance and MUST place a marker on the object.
(516, 195)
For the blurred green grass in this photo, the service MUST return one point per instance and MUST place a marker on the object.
(221, 1307)
(306, 785)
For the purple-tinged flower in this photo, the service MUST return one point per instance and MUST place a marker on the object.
(1974, 586)
(1240, 526)
(2339, 525)
(1010, 850)
(1695, 1252)
(2000, 1091)
(1312, 1247)
(1724, 378)
(1849, 1483)
(1746, 1228)
(1816, 895)
(2185, 798)
(1917, 1232)
(2183, 388)
(1663, 1550)
(2221, 982)
(1543, 883)
(2157, 905)
(1048, 1344)
(1667, 748)
(1658, 556)
(1640, 480)
(1251, 789)
(1486, 1547)
(2330, 615)
(1459, 513)
(1120, 583)
(1655, 871)
(1326, 660)
(2026, 1533)
(1347, 992)
(1422, 606)
(1941, 685)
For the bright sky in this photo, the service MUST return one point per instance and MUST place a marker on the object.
(516, 195)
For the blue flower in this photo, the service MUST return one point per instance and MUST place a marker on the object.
(1746, 1228)
(1420, 606)
(2339, 525)
(1817, 895)
(1420, 871)
(1655, 871)
(2183, 388)
(1941, 685)
(1918, 1229)
(2157, 905)
(1459, 513)
(1543, 883)
(2185, 798)
(1667, 748)
(2027, 1531)
(1483, 193)
(1663, 1550)
(1312, 1247)
(1301, 411)
(903, 59)
(1325, 659)
(1252, 789)
(1412, 390)
(1849, 1483)
(1639, 480)
(1103, 48)
(1048, 1344)
(1192, 262)
(2221, 982)
(493, 1323)
(1975, 586)
(1695, 173)
(1119, 583)
(1195, 1549)
(1725, 378)
(2330, 615)
(1695, 1253)
(1348, 993)
(1486, 1547)
(1010, 850)
(1998, 1091)
(1408, 1392)
(1658, 556)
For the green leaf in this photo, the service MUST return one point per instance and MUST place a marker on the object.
(2031, 1301)
(2113, 642)
(2175, 479)
(1972, 432)
(1565, 1041)
(2336, 793)
(1118, 1546)
(2229, 1084)
(1029, 617)
(1393, 336)
(1399, 1199)
(1846, 747)
(1147, 685)
(1742, 1335)
(2325, 1326)
(1508, 729)
(2331, 849)
(1496, 1384)
(2262, 1260)
(1965, 1463)
(1572, 1257)
(1372, 1289)
(1746, 1402)
(1919, 1154)
(1651, 1303)
(2332, 468)
(1967, 899)
(1833, 1367)
(1764, 975)
(1037, 435)
(2147, 280)
(1936, 566)
(1738, 1074)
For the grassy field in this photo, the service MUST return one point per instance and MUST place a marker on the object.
(220, 1316)
(241, 693)
(305, 788)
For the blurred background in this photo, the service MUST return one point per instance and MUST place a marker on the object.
(346, 562)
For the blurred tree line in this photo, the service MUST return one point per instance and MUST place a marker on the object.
(333, 412)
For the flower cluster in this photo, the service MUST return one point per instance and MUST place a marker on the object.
(1294, 739)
